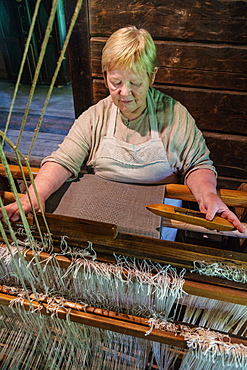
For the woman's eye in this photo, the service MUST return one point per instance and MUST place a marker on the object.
(135, 84)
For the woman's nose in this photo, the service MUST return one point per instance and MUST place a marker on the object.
(125, 90)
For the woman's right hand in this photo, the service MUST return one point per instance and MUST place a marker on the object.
(13, 211)
(49, 178)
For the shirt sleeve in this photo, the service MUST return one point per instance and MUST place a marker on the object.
(187, 149)
(73, 151)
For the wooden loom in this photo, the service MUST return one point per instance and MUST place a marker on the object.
(106, 240)
(189, 80)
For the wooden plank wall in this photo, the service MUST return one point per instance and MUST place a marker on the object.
(202, 56)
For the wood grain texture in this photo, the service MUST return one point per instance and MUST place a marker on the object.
(228, 153)
(213, 110)
(79, 52)
(216, 21)
(141, 247)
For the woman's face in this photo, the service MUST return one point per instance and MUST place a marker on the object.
(128, 91)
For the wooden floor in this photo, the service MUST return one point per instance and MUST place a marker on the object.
(60, 104)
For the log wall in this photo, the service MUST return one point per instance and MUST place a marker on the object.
(202, 55)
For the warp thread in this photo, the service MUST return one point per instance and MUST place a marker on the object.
(222, 270)
(206, 344)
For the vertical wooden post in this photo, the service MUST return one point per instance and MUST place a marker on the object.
(79, 57)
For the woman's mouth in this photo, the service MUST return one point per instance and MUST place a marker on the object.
(126, 101)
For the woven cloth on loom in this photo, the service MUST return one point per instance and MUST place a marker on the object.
(124, 205)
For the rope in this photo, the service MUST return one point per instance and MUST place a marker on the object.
(38, 66)
(29, 37)
(35, 79)
(59, 62)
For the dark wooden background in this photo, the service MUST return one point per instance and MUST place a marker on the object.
(202, 56)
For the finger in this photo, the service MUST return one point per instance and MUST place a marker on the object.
(15, 216)
(10, 209)
(13, 211)
(230, 216)
(202, 208)
(211, 212)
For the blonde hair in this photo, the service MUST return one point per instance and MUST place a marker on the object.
(130, 48)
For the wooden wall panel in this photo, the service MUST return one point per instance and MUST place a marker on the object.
(217, 21)
(213, 110)
(79, 56)
(227, 153)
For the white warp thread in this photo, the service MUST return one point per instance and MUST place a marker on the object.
(221, 270)
(206, 344)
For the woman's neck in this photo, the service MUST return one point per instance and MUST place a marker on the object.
(131, 116)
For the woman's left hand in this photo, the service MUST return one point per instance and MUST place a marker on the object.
(202, 183)
(212, 205)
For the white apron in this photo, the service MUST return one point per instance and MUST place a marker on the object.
(145, 163)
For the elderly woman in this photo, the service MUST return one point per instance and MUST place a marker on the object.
(135, 135)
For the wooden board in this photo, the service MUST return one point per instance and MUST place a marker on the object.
(213, 110)
(232, 160)
(217, 21)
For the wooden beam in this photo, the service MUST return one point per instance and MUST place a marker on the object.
(195, 228)
(219, 21)
(216, 292)
(229, 197)
(79, 61)
(17, 173)
(109, 320)
(9, 196)
(103, 319)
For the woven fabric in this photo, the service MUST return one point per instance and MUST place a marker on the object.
(124, 205)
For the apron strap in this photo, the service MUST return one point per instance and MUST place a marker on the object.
(152, 116)
(112, 122)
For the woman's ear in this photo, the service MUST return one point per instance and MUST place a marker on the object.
(105, 78)
(153, 75)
